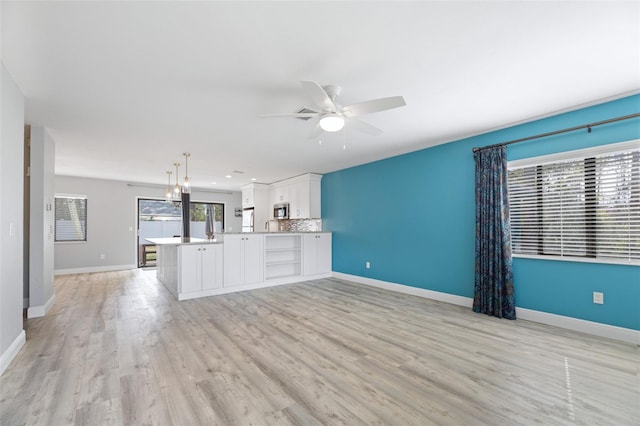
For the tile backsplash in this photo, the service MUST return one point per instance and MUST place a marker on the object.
(300, 225)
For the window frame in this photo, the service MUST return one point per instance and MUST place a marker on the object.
(588, 156)
(86, 219)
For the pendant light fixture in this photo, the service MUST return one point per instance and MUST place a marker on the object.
(186, 186)
(169, 192)
(176, 188)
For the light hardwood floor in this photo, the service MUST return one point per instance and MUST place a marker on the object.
(117, 348)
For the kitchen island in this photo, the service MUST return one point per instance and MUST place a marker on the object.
(241, 261)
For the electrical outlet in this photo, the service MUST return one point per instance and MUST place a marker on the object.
(102, 256)
(598, 297)
(367, 264)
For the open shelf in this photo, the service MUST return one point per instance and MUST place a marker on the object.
(283, 262)
(283, 256)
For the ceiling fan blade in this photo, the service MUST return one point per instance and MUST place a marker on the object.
(319, 96)
(317, 130)
(293, 114)
(375, 105)
(363, 127)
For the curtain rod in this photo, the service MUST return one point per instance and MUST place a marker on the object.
(557, 132)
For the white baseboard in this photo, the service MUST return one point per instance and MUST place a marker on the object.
(40, 311)
(414, 291)
(93, 269)
(12, 351)
(235, 289)
(595, 328)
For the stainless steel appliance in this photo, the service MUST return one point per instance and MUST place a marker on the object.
(247, 220)
(281, 211)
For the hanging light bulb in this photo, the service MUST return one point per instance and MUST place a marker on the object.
(332, 122)
(176, 188)
(186, 187)
(169, 189)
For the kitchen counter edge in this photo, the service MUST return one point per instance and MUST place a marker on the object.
(178, 241)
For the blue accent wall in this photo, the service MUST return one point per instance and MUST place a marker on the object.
(413, 217)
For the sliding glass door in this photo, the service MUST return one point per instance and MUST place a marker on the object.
(158, 218)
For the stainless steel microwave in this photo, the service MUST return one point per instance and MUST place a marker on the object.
(281, 211)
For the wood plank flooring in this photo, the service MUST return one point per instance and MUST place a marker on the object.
(118, 349)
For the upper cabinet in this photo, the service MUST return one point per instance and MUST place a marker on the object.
(247, 196)
(278, 193)
(255, 195)
(301, 192)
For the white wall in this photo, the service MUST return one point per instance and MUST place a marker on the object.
(12, 335)
(41, 214)
(111, 222)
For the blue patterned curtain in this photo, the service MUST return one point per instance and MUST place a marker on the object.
(493, 293)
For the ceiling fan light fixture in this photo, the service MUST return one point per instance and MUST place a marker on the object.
(332, 123)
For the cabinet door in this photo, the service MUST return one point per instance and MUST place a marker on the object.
(233, 260)
(317, 254)
(299, 201)
(253, 259)
(247, 197)
(309, 262)
(211, 266)
(190, 271)
(323, 253)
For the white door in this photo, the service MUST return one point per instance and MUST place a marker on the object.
(233, 260)
(190, 271)
(323, 247)
(210, 268)
(317, 254)
(310, 254)
(253, 259)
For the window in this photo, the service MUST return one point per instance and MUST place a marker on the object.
(70, 218)
(157, 218)
(582, 205)
(198, 214)
(162, 219)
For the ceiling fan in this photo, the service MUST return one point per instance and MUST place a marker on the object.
(330, 116)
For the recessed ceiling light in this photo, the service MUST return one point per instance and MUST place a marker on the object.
(228, 176)
(213, 183)
(254, 179)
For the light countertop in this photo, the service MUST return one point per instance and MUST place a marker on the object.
(275, 232)
(177, 241)
(219, 239)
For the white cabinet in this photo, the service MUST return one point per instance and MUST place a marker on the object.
(243, 259)
(278, 193)
(247, 196)
(317, 254)
(256, 196)
(299, 201)
(200, 267)
(301, 192)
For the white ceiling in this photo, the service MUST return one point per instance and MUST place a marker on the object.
(125, 88)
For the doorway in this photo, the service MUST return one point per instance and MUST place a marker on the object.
(158, 218)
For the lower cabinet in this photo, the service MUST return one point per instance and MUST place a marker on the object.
(243, 259)
(316, 254)
(200, 267)
(242, 262)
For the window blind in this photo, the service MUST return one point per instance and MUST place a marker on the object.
(70, 218)
(585, 207)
